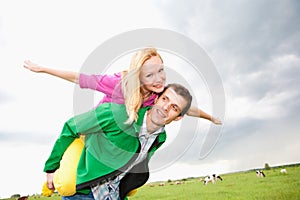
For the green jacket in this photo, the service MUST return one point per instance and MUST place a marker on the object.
(110, 146)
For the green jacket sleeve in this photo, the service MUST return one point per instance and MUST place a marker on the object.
(66, 137)
(106, 115)
(80, 124)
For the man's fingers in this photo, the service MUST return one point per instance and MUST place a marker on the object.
(50, 185)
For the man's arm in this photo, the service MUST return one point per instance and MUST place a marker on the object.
(107, 117)
(67, 136)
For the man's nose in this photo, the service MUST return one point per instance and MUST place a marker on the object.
(166, 107)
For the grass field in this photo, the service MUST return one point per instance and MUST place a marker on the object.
(242, 185)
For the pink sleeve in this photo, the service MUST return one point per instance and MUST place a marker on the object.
(150, 101)
(101, 83)
(105, 84)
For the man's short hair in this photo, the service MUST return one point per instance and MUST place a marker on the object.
(182, 91)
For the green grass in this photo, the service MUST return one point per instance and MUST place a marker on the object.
(242, 185)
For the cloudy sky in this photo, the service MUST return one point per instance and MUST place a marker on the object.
(254, 46)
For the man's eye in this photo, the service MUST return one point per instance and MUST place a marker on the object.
(175, 108)
(161, 70)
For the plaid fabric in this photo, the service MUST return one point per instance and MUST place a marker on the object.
(110, 189)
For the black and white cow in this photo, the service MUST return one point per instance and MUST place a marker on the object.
(260, 173)
(213, 178)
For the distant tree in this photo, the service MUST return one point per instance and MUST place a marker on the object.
(267, 166)
(169, 181)
(15, 196)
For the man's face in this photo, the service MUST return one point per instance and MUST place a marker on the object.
(167, 108)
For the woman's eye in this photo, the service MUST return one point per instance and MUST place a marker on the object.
(148, 75)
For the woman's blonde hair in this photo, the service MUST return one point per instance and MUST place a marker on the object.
(131, 85)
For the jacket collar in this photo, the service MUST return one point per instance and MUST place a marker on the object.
(141, 114)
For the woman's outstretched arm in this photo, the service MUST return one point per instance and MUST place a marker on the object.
(66, 75)
(197, 112)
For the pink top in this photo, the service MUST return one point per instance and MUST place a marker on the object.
(109, 85)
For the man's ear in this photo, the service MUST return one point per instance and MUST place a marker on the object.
(155, 100)
(178, 118)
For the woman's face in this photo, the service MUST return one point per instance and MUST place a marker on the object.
(152, 75)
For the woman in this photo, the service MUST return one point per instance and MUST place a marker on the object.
(146, 71)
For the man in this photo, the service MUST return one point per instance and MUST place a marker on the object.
(115, 158)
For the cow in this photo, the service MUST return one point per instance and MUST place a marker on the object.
(213, 178)
(260, 173)
(161, 184)
(283, 171)
(179, 182)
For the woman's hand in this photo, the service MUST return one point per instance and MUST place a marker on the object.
(66, 75)
(216, 121)
(32, 66)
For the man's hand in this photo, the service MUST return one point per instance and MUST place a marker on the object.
(50, 184)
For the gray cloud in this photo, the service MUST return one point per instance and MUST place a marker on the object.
(2, 43)
(256, 47)
(245, 148)
(25, 137)
(250, 33)
(255, 44)
(270, 140)
(4, 97)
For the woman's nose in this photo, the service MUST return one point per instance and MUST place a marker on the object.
(156, 78)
